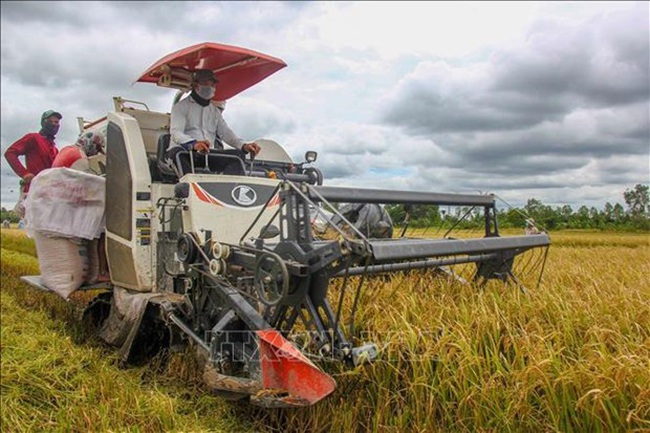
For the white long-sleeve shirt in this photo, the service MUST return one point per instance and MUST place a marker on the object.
(191, 121)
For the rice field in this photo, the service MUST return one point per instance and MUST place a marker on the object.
(572, 355)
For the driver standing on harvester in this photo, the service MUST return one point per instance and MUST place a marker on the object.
(197, 124)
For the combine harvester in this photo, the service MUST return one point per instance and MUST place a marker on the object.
(233, 265)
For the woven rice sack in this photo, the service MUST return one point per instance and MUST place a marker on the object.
(93, 261)
(63, 263)
(66, 202)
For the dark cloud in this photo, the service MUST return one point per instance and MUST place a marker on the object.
(602, 63)
(48, 44)
(566, 102)
(105, 63)
(422, 112)
(600, 175)
(568, 107)
(158, 17)
(556, 71)
(551, 148)
(34, 12)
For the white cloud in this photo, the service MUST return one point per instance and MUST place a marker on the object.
(447, 29)
(529, 99)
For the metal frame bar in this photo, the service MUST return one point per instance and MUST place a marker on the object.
(359, 195)
(212, 153)
(404, 249)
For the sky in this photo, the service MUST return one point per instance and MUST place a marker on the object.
(547, 100)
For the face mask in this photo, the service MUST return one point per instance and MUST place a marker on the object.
(50, 129)
(90, 143)
(205, 92)
(90, 149)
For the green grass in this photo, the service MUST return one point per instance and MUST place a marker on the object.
(571, 356)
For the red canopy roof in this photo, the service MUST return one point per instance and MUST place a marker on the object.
(236, 68)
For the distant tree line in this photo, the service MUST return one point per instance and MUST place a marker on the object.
(635, 216)
(8, 215)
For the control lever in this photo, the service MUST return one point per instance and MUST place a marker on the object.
(192, 160)
(252, 156)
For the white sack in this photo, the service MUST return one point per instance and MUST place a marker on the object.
(93, 261)
(20, 206)
(67, 203)
(63, 263)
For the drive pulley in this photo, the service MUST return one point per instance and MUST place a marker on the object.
(186, 248)
(271, 279)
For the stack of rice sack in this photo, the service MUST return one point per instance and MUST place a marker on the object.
(64, 213)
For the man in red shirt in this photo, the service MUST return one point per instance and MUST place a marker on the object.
(38, 148)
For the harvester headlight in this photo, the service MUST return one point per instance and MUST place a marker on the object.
(310, 156)
(182, 190)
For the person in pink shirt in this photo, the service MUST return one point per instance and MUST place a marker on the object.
(76, 156)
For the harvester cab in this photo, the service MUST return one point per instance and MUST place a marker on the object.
(261, 273)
